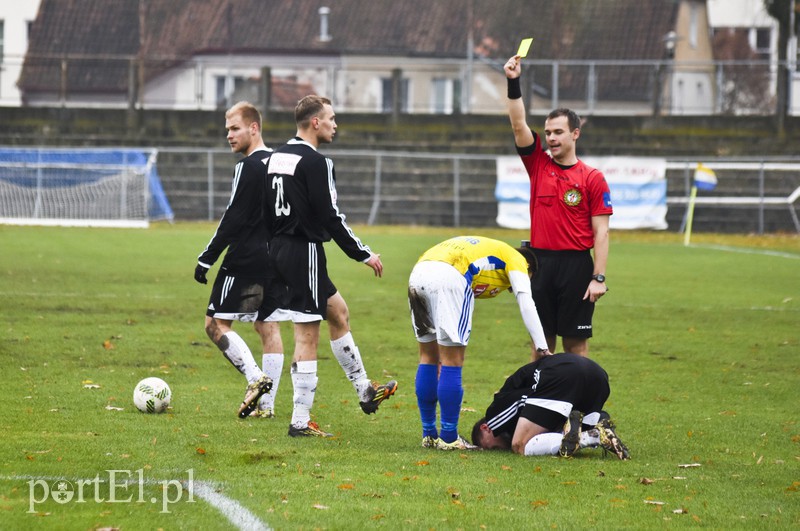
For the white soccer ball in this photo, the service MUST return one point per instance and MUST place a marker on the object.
(152, 395)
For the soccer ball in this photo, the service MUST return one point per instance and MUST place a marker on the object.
(152, 395)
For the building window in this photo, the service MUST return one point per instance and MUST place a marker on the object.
(445, 95)
(227, 88)
(387, 97)
(761, 41)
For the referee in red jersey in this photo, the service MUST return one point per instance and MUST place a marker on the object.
(570, 208)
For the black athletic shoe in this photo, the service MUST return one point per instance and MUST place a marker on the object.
(571, 442)
(610, 441)
(311, 430)
(376, 395)
(252, 394)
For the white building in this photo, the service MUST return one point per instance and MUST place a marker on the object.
(15, 20)
(762, 33)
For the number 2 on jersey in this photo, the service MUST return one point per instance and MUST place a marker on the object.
(282, 208)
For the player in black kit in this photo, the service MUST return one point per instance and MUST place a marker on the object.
(300, 207)
(238, 290)
(553, 406)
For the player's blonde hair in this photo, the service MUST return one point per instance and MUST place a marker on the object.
(247, 111)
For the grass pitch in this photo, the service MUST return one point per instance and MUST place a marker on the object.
(702, 345)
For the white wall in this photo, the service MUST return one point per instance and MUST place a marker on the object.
(16, 15)
(738, 14)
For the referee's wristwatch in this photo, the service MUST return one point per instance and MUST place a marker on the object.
(599, 277)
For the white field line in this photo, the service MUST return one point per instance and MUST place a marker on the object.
(237, 515)
(231, 509)
(747, 251)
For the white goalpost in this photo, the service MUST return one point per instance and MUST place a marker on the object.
(81, 187)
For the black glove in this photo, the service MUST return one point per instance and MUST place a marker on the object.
(200, 274)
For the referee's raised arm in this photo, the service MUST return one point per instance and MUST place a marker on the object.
(523, 136)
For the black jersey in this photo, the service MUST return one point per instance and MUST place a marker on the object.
(300, 199)
(242, 229)
(546, 390)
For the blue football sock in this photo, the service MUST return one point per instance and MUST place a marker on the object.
(451, 393)
(426, 383)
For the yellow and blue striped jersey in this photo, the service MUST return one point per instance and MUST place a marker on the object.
(484, 262)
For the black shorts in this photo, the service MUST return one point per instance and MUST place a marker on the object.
(558, 288)
(547, 391)
(235, 298)
(301, 272)
(275, 299)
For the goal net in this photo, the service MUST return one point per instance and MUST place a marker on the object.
(81, 187)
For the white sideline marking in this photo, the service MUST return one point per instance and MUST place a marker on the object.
(236, 514)
(748, 251)
(230, 509)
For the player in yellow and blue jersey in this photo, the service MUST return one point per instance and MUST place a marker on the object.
(441, 293)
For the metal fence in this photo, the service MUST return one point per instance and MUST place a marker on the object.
(458, 190)
(399, 85)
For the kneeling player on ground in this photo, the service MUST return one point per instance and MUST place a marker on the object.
(552, 406)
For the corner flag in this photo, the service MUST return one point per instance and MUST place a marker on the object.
(704, 178)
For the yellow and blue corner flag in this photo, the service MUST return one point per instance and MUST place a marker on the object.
(704, 178)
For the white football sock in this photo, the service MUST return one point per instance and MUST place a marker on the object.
(544, 444)
(304, 381)
(238, 353)
(590, 439)
(349, 358)
(272, 365)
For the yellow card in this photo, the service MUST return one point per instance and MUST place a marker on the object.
(524, 46)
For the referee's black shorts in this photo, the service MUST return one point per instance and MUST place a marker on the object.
(558, 288)
(301, 269)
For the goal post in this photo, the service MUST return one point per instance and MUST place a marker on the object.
(81, 187)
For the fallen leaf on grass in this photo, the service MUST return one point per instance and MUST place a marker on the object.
(654, 502)
(680, 511)
(345, 486)
(690, 465)
(539, 503)
(108, 345)
(114, 408)
(646, 481)
(320, 506)
(91, 386)
(422, 463)
(201, 451)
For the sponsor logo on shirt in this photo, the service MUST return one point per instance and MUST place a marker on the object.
(572, 197)
(480, 288)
